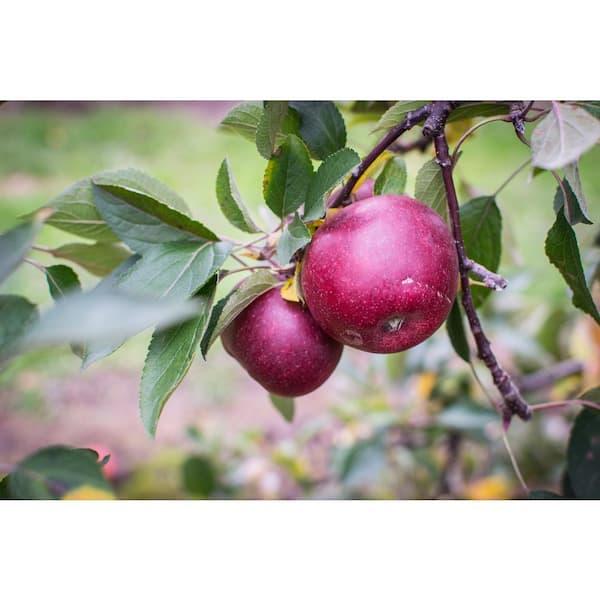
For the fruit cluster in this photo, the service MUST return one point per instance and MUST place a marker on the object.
(379, 275)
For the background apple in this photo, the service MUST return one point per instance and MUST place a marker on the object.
(381, 274)
(281, 346)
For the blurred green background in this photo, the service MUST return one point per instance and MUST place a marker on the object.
(405, 426)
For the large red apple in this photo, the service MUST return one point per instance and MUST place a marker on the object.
(381, 274)
(281, 346)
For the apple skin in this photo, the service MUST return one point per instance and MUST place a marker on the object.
(381, 274)
(281, 346)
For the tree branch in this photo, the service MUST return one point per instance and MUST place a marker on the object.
(513, 403)
(547, 377)
(411, 119)
(489, 278)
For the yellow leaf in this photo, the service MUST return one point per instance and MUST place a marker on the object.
(425, 383)
(251, 254)
(88, 492)
(290, 289)
(314, 225)
(378, 162)
(494, 487)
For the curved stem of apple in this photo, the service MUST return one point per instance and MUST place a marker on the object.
(512, 401)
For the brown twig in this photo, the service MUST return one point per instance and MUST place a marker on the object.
(489, 278)
(513, 403)
(411, 119)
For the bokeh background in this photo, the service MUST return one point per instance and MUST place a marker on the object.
(412, 425)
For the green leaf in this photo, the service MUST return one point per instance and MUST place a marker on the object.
(286, 407)
(482, 109)
(62, 280)
(583, 455)
(170, 355)
(294, 237)
(99, 259)
(321, 127)
(269, 127)
(230, 201)
(543, 495)
(199, 476)
(288, 177)
(363, 462)
(75, 212)
(392, 179)
(576, 206)
(96, 350)
(456, 332)
(563, 135)
(330, 173)
(142, 221)
(17, 314)
(397, 113)
(50, 473)
(15, 244)
(563, 252)
(244, 119)
(103, 317)
(481, 224)
(175, 271)
(429, 188)
(227, 309)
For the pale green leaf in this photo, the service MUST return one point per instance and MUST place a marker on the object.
(286, 407)
(392, 179)
(429, 188)
(294, 237)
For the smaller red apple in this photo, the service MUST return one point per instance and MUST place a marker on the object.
(281, 346)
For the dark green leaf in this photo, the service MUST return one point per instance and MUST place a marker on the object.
(175, 271)
(321, 127)
(398, 112)
(4, 491)
(231, 202)
(286, 407)
(392, 179)
(429, 188)
(17, 314)
(583, 455)
(169, 358)
(330, 173)
(563, 253)
(482, 233)
(269, 127)
(542, 495)
(99, 259)
(294, 237)
(369, 107)
(227, 309)
(199, 476)
(244, 119)
(53, 471)
(483, 109)
(62, 280)
(16, 243)
(456, 332)
(563, 135)
(288, 177)
(142, 221)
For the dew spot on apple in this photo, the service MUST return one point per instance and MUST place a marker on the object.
(393, 324)
(353, 337)
(407, 281)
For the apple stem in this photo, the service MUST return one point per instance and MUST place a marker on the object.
(513, 403)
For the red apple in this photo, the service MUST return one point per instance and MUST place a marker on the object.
(281, 346)
(381, 274)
